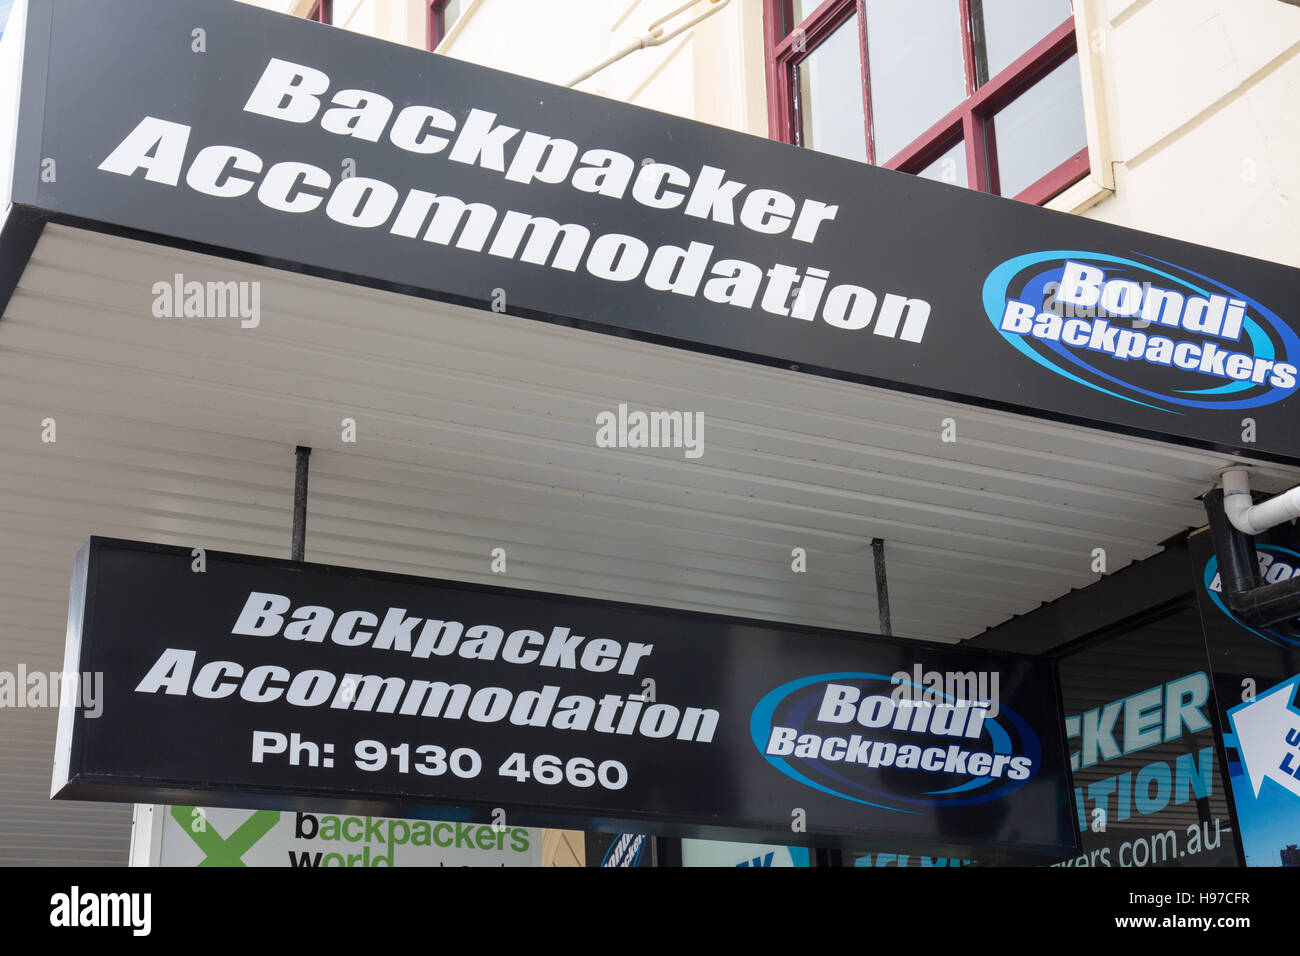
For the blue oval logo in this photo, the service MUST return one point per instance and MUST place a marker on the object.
(1275, 564)
(1142, 330)
(860, 737)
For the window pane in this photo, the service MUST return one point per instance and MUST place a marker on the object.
(1041, 129)
(450, 14)
(832, 118)
(917, 72)
(1004, 29)
(802, 9)
(949, 168)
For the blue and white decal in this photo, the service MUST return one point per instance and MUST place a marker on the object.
(855, 736)
(1275, 564)
(1143, 330)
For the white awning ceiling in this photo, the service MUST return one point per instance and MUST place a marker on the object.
(477, 431)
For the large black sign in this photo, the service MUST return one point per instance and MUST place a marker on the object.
(240, 681)
(284, 141)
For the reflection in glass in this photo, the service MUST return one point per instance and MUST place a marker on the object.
(1004, 29)
(801, 10)
(914, 53)
(950, 167)
(450, 14)
(832, 117)
(1041, 129)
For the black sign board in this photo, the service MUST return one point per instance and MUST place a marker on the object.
(240, 681)
(1257, 683)
(268, 138)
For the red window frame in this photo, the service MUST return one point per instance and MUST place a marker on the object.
(437, 22)
(322, 11)
(970, 122)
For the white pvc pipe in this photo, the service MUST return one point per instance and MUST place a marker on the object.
(1251, 518)
(655, 37)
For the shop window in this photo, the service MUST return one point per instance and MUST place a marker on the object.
(443, 14)
(322, 11)
(981, 93)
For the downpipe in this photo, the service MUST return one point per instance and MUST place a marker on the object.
(1250, 518)
(1253, 603)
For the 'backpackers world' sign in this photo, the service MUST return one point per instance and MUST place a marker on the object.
(284, 686)
(207, 836)
(607, 216)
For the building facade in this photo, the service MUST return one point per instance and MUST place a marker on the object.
(464, 448)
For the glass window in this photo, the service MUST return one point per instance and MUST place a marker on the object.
(450, 14)
(916, 71)
(1040, 129)
(801, 9)
(831, 115)
(983, 93)
(950, 167)
(1003, 30)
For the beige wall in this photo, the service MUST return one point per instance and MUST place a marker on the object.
(713, 73)
(1202, 104)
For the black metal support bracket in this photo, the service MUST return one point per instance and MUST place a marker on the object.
(299, 545)
(1253, 603)
(882, 587)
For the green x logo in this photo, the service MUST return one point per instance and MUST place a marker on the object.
(225, 851)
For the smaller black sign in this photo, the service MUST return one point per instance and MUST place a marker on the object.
(306, 686)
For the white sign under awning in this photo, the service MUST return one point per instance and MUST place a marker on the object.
(206, 836)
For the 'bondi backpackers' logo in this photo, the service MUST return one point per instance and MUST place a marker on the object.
(1154, 333)
(845, 735)
(1275, 564)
